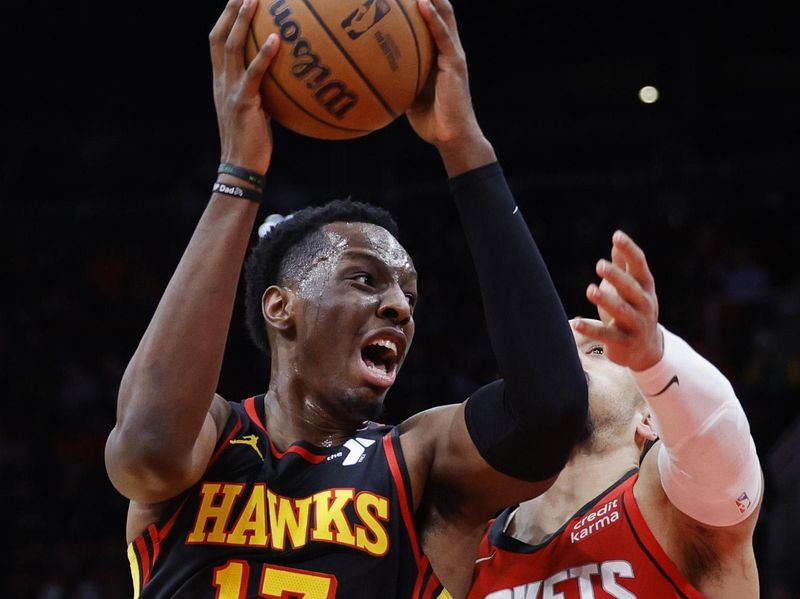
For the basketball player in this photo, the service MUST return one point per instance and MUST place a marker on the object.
(679, 525)
(296, 492)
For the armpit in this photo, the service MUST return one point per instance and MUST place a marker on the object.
(700, 555)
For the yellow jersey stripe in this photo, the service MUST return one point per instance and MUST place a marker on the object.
(135, 574)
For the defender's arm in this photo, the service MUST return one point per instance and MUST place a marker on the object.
(700, 487)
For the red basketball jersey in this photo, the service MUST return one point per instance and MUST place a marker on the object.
(604, 551)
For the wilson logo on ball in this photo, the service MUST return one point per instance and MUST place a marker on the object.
(344, 67)
(332, 94)
(365, 18)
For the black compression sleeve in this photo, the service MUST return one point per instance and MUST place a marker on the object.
(526, 424)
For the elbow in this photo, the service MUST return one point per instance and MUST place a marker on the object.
(134, 449)
(140, 468)
(560, 422)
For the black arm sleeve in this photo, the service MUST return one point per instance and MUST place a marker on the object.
(525, 424)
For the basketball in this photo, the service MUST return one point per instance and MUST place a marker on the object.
(345, 67)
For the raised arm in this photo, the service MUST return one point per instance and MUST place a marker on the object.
(168, 416)
(701, 486)
(512, 437)
(707, 460)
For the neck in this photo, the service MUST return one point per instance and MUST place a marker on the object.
(584, 477)
(295, 414)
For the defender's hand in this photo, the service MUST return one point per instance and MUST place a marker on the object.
(443, 114)
(628, 307)
(244, 129)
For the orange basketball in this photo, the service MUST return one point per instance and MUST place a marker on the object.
(345, 67)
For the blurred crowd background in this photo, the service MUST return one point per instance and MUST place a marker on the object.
(111, 148)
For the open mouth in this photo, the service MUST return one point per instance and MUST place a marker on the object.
(381, 358)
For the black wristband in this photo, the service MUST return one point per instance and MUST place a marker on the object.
(235, 191)
(242, 173)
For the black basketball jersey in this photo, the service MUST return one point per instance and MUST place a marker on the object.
(309, 522)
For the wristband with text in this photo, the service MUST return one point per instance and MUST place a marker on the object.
(235, 191)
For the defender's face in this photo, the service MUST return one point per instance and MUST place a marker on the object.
(355, 317)
(613, 395)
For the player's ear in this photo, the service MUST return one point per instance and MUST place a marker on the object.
(277, 306)
(644, 429)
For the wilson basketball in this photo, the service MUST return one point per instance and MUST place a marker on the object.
(345, 67)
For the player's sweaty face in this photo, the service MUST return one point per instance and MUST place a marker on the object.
(356, 319)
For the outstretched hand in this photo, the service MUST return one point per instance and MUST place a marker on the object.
(628, 307)
(443, 114)
(244, 128)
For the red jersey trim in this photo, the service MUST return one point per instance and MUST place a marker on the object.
(307, 455)
(304, 453)
(432, 586)
(155, 536)
(225, 444)
(144, 558)
(650, 546)
(423, 568)
(155, 541)
(428, 585)
(250, 408)
(405, 503)
(162, 534)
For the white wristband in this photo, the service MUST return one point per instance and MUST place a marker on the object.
(707, 462)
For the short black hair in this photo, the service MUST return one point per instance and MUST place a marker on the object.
(292, 242)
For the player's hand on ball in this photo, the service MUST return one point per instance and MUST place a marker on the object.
(628, 307)
(245, 134)
(443, 112)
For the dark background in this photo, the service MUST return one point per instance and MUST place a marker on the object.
(111, 146)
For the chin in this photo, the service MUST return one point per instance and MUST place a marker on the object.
(361, 406)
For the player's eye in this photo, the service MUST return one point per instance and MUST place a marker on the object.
(596, 350)
(412, 299)
(362, 278)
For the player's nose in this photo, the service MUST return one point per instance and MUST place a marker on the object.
(395, 306)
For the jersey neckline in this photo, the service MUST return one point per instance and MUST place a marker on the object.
(257, 412)
(499, 538)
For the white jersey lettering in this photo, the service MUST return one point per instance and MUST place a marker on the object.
(609, 572)
(584, 576)
(549, 592)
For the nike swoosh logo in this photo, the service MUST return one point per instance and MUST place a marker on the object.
(485, 559)
(673, 381)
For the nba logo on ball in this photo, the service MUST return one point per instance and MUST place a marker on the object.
(345, 68)
(365, 17)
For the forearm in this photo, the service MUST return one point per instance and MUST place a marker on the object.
(466, 153)
(707, 462)
(544, 395)
(173, 375)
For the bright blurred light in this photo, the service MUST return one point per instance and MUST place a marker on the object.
(648, 94)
